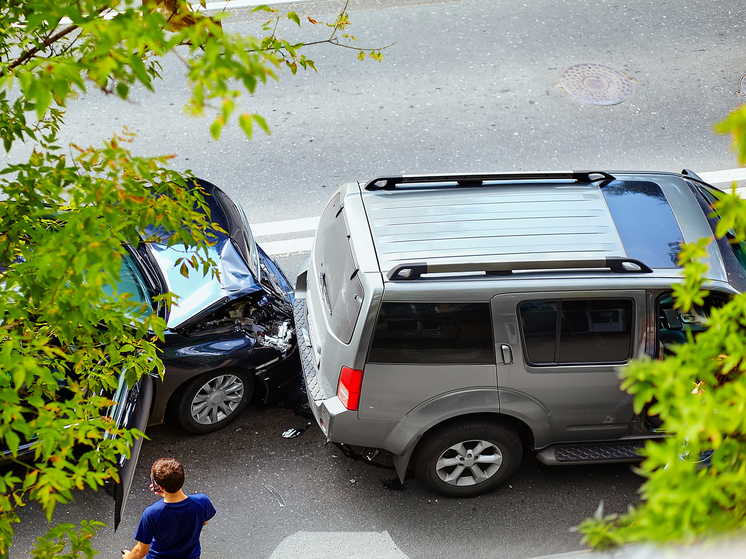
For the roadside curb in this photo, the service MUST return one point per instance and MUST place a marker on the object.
(725, 549)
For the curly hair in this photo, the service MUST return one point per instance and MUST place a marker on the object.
(168, 473)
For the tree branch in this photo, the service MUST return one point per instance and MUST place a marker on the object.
(29, 54)
(48, 42)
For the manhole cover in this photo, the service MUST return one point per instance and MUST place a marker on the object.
(596, 84)
(742, 88)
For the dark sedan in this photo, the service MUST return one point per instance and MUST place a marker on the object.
(229, 337)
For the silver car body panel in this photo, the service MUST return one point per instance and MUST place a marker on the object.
(513, 223)
(494, 225)
(578, 402)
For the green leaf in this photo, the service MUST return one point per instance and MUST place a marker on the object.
(123, 90)
(216, 127)
(199, 94)
(227, 109)
(245, 121)
(19, 376)
(294, 17)
(12, 440)
(140, 71)
(735, 125)
(43, 97)
(262, 123)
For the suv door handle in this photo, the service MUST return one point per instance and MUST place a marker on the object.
(507, 354)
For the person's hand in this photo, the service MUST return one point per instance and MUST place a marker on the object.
(125, 553)
(155, 489)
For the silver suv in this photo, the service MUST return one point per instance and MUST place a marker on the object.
(455, 320)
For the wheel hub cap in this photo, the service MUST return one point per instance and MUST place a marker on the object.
(469, 460)
(216, 397)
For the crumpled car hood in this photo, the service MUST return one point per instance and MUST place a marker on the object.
(199, 295)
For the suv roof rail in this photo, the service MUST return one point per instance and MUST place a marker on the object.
(413, 271)
(478, 179)
(692, 174)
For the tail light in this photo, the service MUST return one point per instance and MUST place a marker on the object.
(348, 389)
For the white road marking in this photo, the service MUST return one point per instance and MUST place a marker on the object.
(719, 177)
(291, 246)
(304, 244)
(283, 227)
(338, 545)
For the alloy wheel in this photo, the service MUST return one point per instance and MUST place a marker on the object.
(469, 463)
(217, 399)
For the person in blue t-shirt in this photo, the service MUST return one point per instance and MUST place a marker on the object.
(170, 528)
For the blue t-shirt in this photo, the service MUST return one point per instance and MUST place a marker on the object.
(172, 529)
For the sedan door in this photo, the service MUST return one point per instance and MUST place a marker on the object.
(131, 410)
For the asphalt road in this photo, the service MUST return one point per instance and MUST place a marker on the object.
(300, 499)
(465, 86)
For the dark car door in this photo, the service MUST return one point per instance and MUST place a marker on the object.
(132, 410)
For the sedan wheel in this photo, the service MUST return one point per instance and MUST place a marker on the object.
(213, 400)
(469, 458)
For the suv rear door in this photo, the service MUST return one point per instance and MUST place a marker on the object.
(558, 359)
(436, 354)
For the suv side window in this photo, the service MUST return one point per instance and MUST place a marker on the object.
(433, 333)
(674, 324)
(577, 331)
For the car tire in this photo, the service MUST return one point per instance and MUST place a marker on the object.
(212, 400)
(469, 458)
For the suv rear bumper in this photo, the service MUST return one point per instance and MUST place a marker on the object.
(327, 409)
(338, 424)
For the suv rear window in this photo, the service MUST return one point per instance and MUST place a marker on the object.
(341, 289)
(577, 331)
(433, 333)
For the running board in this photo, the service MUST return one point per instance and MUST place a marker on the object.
(593, 453)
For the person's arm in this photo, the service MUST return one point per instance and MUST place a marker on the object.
(138, 552)
(209, 509)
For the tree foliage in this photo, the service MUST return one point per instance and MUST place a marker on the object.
(67, 217)
(700, 394)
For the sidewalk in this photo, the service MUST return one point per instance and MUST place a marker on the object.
(733, 549)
